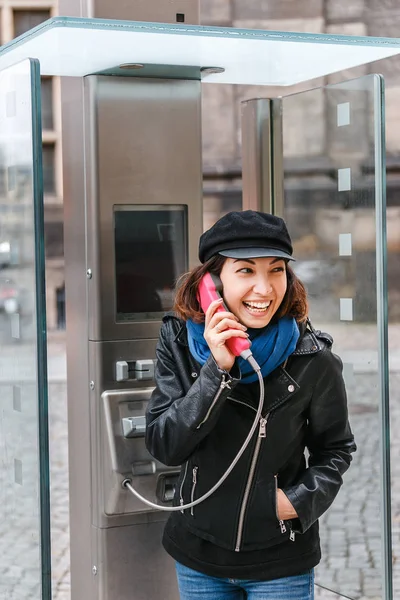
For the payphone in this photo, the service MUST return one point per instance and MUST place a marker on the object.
(133, 217)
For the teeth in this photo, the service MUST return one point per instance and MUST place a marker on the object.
(259, 305)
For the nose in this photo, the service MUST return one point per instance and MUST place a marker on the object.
(262, 286)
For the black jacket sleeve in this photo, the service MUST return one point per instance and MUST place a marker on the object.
(330, 443)
(179, 416)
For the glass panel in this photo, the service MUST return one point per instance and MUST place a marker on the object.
(324, 594)
(335, 210)
(86, 46)
(27, 19)
(24, 479)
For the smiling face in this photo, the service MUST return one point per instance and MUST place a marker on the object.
(254, 288)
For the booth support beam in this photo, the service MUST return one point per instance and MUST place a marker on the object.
(262, 152)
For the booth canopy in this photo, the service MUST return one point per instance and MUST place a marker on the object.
(70, 46)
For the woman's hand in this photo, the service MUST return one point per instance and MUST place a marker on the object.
(219, 327)
(284, 507)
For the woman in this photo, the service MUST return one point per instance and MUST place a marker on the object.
(257, 536)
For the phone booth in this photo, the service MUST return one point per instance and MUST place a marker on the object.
(131, 124)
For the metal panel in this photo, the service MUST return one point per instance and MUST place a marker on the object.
(82, 580)
(112, 455)
(143, 145)
(277, 157)
(256, 154)
(388, 552)
(136, 551)
(262, 155)
(110, 126)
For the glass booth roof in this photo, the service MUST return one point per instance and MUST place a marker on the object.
(71, 46)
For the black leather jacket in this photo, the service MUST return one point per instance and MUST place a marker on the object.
(198, 417)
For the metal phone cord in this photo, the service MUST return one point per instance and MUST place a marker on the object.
(127, 482)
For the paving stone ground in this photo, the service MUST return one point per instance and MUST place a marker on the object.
(350, 531)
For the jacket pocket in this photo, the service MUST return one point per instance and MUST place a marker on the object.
(281, 523)
(284, 525)
(261, 526)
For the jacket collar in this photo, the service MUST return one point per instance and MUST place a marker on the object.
(181, 336)
(308, 341)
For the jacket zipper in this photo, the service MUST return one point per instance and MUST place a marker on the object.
(262, 433)
(221, 388)
(181, 502)
(281, 523)
(194, 483)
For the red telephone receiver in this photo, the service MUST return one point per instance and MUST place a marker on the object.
(210, 289)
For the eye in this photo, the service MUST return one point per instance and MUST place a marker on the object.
(278, 270)
(245, 270)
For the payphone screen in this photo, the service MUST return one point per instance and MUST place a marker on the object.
(150, 255)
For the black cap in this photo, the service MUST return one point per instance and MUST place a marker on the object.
(246, 234)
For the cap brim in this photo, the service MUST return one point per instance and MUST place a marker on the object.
(255, 253)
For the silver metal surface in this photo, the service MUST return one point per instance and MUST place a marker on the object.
(79, 420)
(134, 426)
(143, 467)
(115, 454)
(131, 66)
(277, 158)
(135, 164)
(121, 370)
(118, 134)
(144, 369)
(382, 327)
(137, 10)
(137, 551)
(256, 154)
(262, 166)
(211, 71)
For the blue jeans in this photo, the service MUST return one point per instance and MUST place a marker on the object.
(196, 586)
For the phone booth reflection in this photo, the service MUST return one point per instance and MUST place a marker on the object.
(257, 535)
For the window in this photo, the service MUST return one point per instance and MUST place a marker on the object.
(26, 19)
(49, 186)
(60, 300)
(54, 239)
(47, 103)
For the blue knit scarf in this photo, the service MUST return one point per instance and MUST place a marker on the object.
(270, 346)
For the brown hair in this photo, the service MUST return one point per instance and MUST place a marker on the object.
(294, 303)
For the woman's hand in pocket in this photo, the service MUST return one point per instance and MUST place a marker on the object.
(284, 507)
